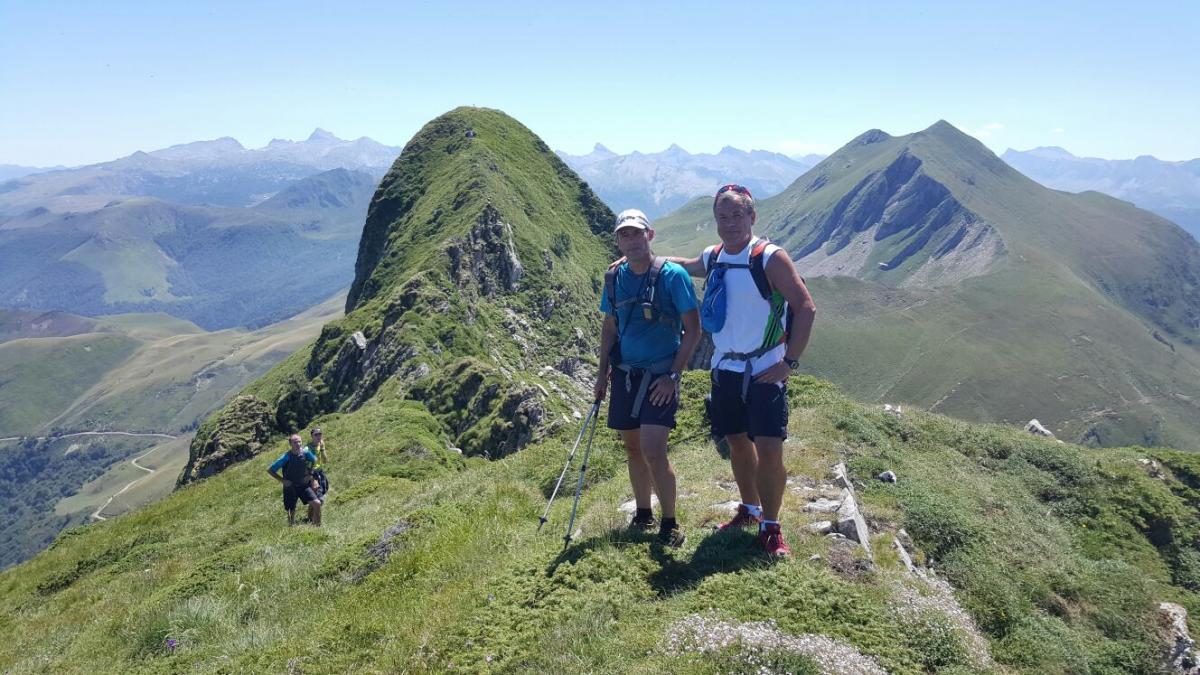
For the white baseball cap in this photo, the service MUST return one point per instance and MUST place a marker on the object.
(632, 218)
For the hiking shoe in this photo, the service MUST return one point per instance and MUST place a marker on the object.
(643, 524)
(770, 537)
(673, 537)
(743, 518)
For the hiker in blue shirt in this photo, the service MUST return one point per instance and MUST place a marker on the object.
(297, 480)
(646, 302)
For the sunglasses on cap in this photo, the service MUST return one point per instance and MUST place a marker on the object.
(735, 188)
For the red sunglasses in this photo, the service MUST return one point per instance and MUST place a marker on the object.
(734, 187)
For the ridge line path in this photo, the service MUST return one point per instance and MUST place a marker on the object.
(150, 472)
(95, 433)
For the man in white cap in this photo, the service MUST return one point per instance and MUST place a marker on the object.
(651, 327)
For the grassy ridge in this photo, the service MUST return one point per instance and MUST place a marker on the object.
(474, 280)
(427, 563)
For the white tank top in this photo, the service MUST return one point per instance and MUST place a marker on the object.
(746, 314)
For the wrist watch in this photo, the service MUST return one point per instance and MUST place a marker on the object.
(794, 364)
(674, 375)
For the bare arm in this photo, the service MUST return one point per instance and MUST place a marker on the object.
(687, 343)
(277, 477)
(608, 337)
(694, 266)
(781, 272)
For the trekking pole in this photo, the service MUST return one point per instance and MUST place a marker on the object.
(579, 486)
(590, 417)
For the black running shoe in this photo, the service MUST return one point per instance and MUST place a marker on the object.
(644, 524)
(673, 537)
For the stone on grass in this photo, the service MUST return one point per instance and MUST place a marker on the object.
(821, 527)
(1180, 655)
(1035, 427)
(822, 505)
(850, 521)
(904, 556)
(887, 476)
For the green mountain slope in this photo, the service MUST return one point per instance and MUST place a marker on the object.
(218, 266)
(473, 295)
(1058, 553)
(72, 409)
(984, 295)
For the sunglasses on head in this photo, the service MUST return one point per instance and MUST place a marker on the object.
(735, 188)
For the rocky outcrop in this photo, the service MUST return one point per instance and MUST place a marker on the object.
(240, 431)
(486, 257)
(1037, 429)
(1180, 654)
(901, 226)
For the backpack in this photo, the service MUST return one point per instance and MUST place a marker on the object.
(653, 308)
(712, 310)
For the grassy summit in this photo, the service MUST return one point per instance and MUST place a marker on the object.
(474, 296)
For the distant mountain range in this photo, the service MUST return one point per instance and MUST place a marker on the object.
(1170, 189)
(660, 182)
(11, 171)
(949, 280)
(209, 231)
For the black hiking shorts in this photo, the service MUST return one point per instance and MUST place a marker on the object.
(763, 413)
(620, 406)
(305, 494)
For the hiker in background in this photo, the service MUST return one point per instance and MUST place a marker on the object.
(760, 315)
(317, 448)
(646, 302)
(297, 480)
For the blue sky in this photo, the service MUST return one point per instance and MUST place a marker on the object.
(89, 81)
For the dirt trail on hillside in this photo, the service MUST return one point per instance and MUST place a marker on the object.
(149, 472)
(137, 434)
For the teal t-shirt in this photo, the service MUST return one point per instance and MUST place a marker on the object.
(644, 343)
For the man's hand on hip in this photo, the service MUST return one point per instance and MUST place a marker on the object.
(775, 374)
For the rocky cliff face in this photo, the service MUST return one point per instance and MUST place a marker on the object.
(895, 224)
(477, 271)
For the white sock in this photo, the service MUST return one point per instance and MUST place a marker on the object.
(754, 509)
(763, 525)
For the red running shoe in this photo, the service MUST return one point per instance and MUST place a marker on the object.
(742, 519)
(770, 537)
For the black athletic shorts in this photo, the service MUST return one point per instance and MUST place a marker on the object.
(305, 494)
(620, 405)
(763, 413)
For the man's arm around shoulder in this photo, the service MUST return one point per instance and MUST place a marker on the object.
(693, 266)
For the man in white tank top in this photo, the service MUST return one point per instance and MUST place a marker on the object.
(756, 351)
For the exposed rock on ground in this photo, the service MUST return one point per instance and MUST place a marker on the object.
(1180, 654)
(698, 634)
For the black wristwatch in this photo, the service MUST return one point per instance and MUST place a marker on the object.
(674, 375)
(794, 364)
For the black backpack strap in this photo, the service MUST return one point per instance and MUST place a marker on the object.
(652, 282)
(758, 267)
(610, 289)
